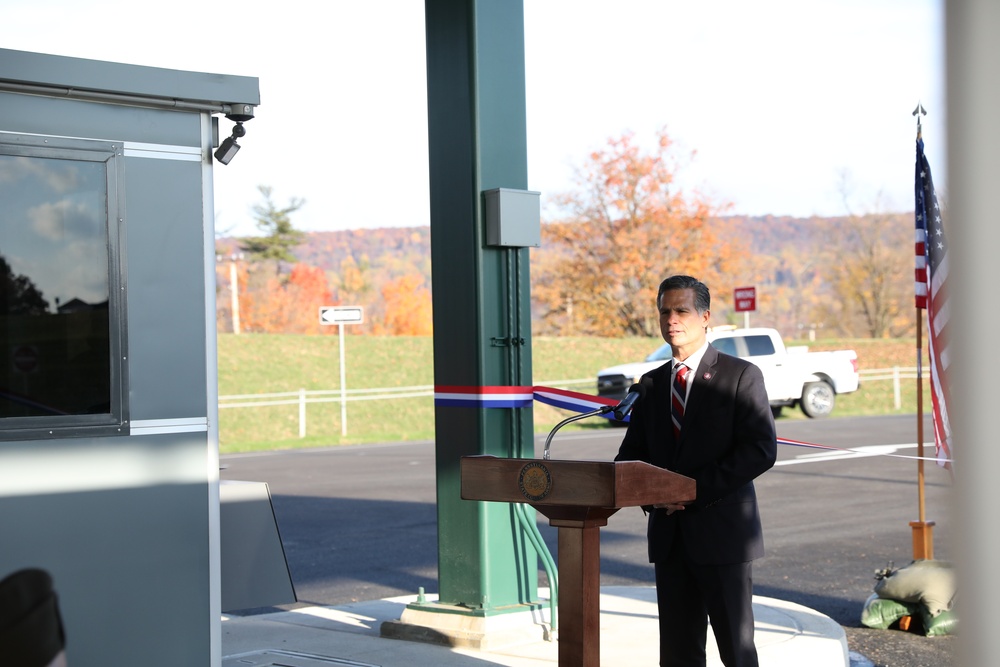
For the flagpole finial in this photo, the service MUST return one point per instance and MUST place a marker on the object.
(918, 112)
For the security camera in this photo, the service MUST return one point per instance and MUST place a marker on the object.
(227, 151)
(239, 113)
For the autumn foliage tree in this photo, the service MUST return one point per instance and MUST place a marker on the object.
(353, 284)
(793, 290)
(625, 228)
(287, 304)
(872, 276)
(271, 297)
(407, 303)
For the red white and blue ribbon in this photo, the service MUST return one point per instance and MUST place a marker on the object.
(518, 397)
(482, 397)
(573, 401)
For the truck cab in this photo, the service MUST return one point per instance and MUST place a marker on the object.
(782, 377)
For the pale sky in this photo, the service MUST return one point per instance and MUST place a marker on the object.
(780, 98)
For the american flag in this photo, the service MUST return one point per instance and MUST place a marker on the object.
(932, 295)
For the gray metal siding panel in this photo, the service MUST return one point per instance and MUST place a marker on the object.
(130, 565)
(93, 120)
(166, 293)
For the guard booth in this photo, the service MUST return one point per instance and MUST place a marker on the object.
(108, 391)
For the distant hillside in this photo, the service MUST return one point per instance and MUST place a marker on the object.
(381, 255)
(769, 234)
(394, 251)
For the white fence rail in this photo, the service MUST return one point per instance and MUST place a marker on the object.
(303, 397)
(895, 374)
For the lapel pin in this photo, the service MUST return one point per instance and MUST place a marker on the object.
(707, 376)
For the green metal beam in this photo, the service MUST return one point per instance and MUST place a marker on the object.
(478, 142)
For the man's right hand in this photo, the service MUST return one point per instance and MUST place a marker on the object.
(670, 507)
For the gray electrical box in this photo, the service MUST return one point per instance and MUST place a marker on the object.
(513, 218)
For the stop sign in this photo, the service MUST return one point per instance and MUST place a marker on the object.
(25, 358)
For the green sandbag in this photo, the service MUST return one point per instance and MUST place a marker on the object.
(930, 582)
(880, 613)
(945, 623)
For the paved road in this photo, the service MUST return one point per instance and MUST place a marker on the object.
(359, 522)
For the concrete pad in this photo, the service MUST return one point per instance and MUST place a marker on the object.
(786, 634)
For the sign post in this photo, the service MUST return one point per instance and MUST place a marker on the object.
(341, 315)
(746, 301)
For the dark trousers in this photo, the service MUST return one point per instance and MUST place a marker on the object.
(688, 596)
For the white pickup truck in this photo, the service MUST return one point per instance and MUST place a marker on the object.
(793, 375)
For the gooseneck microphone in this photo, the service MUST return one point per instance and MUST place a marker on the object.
(635, 392)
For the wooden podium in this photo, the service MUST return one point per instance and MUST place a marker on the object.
(577, 497)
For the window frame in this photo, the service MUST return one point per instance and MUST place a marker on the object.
(116, 421)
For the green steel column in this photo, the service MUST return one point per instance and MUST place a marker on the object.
(477, 138)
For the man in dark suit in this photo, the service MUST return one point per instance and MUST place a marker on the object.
(713, 424)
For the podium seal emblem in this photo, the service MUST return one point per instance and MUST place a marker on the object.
(535, 481)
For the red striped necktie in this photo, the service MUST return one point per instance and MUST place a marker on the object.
(678, 396)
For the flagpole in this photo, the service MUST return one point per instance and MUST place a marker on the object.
(923, 530)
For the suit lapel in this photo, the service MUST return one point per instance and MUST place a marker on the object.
(700, 381)
(664, 449)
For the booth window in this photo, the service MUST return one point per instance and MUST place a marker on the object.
(62, 290)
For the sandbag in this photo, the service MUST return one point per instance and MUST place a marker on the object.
(930, 582)
(881, 613)
(945, 623)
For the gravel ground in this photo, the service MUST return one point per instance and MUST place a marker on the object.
(895, 648)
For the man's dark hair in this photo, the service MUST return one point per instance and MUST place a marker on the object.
(702, 298)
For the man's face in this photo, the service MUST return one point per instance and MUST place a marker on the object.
(680, 323)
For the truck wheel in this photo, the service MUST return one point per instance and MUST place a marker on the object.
(817, 399)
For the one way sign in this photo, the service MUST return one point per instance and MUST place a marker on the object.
(341, 315)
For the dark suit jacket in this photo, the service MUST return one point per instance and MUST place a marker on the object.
(727, 440)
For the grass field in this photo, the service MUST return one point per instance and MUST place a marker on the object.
(252, 364)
